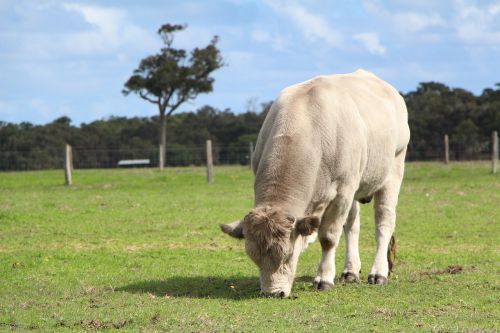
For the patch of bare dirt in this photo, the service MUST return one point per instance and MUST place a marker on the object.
(155, 318)
(93, 324)
(451, 269)
(121, 323)
(383, 312)
(89, 290)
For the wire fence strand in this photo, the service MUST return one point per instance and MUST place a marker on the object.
(238, 153)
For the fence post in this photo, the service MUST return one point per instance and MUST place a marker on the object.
(446, 149)
(68, 165)
(494, 151)
(71, 158)
(161, 162)
(210, 166)
(250, 148)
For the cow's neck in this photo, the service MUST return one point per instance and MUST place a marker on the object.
(287, 171)
(279, 196)
(285, 186)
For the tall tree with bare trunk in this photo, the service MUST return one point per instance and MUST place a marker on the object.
(172, 77)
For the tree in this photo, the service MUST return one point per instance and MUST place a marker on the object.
(170, 78)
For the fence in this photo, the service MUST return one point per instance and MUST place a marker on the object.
(456, 152)
(88, 158)
(239, 153)
(446, 151)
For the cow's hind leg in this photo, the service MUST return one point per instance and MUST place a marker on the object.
(385, 220)
(352, 265)
(329, 234)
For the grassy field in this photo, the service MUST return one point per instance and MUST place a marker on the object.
(141, 251)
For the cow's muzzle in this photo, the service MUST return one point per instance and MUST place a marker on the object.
(278, 294)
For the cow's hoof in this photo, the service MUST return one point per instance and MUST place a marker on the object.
(377, 279)
(322, 285)
(349, 277)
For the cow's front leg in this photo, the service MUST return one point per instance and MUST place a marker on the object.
(352, 265)
(329, 235)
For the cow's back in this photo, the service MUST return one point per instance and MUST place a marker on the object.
(329, 129)
(384, 115)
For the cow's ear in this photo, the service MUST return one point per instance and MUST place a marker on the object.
(307, 225)
(234, 229)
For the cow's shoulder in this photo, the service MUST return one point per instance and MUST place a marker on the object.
(309, 92)
(331, 83)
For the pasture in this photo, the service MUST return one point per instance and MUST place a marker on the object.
(141, 251)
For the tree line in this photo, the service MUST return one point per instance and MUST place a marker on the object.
(434, 109)
(102, 143)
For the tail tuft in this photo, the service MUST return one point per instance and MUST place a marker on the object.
(391, 253)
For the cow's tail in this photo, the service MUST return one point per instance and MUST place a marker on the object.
(391, 253)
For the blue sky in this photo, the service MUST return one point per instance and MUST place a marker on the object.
(72, 57)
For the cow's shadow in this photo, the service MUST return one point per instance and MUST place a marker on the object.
(235, 287)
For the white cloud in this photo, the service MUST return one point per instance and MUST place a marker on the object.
(415, 22)
(405, 22)
(475, 24)
(261, 36)
(421, 4)
(110, 30)
(240, 59)
(494, 9)
(276, 41)
(106, 20)
(471, 22)
(314, 27)
(371, 42)
(28, 110)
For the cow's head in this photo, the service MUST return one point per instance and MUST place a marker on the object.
(273, 240)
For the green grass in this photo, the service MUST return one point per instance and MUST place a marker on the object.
(141, 251)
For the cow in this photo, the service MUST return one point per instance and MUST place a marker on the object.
(326, 144)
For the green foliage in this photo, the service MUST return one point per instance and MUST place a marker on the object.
(433, 110)
(141, 250)
(103, 143)
(170, 77)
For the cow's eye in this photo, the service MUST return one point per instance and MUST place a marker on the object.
(253, 252)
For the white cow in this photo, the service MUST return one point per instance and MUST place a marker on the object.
(325, 144)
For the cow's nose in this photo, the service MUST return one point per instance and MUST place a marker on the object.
(280, 294)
